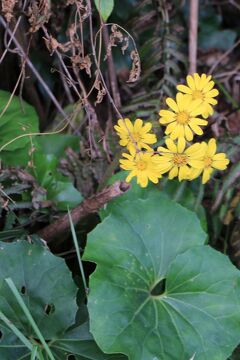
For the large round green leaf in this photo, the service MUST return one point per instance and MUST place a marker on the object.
(172, 189)
(149, 302)
(46, 286)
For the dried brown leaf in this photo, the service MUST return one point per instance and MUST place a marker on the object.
(136, 67)
(101, 91)
(7, 8)
(39, 13)
(52, 44)
(116, 37)
(82, 8)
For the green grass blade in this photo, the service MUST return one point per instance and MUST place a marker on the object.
(34, 354)
(77, 251)
(40, 354)
(17, 332)
(29, 316)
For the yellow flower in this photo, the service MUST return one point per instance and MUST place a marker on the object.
(182, 121)
(142, 165)
(201, 87)
(135, 136)
(178, 160)
(210, 161)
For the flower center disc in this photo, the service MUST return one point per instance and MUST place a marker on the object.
(141, 165)
(197, 95)
(180, 160)
(136, 137)
(207, 161)
(183, 117)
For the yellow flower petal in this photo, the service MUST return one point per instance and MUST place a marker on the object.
(194, 106)
(129, 177)
(181, 101)
(213, 93)
(185, 89)
(195, 128)
(208, 87)
(203, 81)
(170, 127)
(188, 133)
(220, 164)
(219, 156)
(212, 147)
(167, 113)
(172, 104)
(197, 81)
(191, 82)
(194, 173)
(197, 164)
(173, 172)
(206, 175)
(147, 127)
(183, 173)
(138, 125)
(181, 144)
(200, 121)
(175, 133)
(211, 101)
(171, 145)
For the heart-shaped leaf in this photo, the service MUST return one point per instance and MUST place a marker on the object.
(149, 302)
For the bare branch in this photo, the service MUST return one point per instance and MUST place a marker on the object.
(56, 230)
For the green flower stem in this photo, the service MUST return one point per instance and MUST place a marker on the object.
(199, 197)
(180, 191)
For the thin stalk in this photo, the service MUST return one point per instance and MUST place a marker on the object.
(180, 191)
(24, 308)
(34, 354)
(17, 332)
(77, 251)
(199, 197)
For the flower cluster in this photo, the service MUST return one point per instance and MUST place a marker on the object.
(180, 158)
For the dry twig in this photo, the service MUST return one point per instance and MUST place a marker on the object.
(56, 230)
(33, 69)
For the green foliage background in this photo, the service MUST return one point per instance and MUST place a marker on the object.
(159, 263)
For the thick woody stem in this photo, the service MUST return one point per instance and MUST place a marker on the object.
(61, 227)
